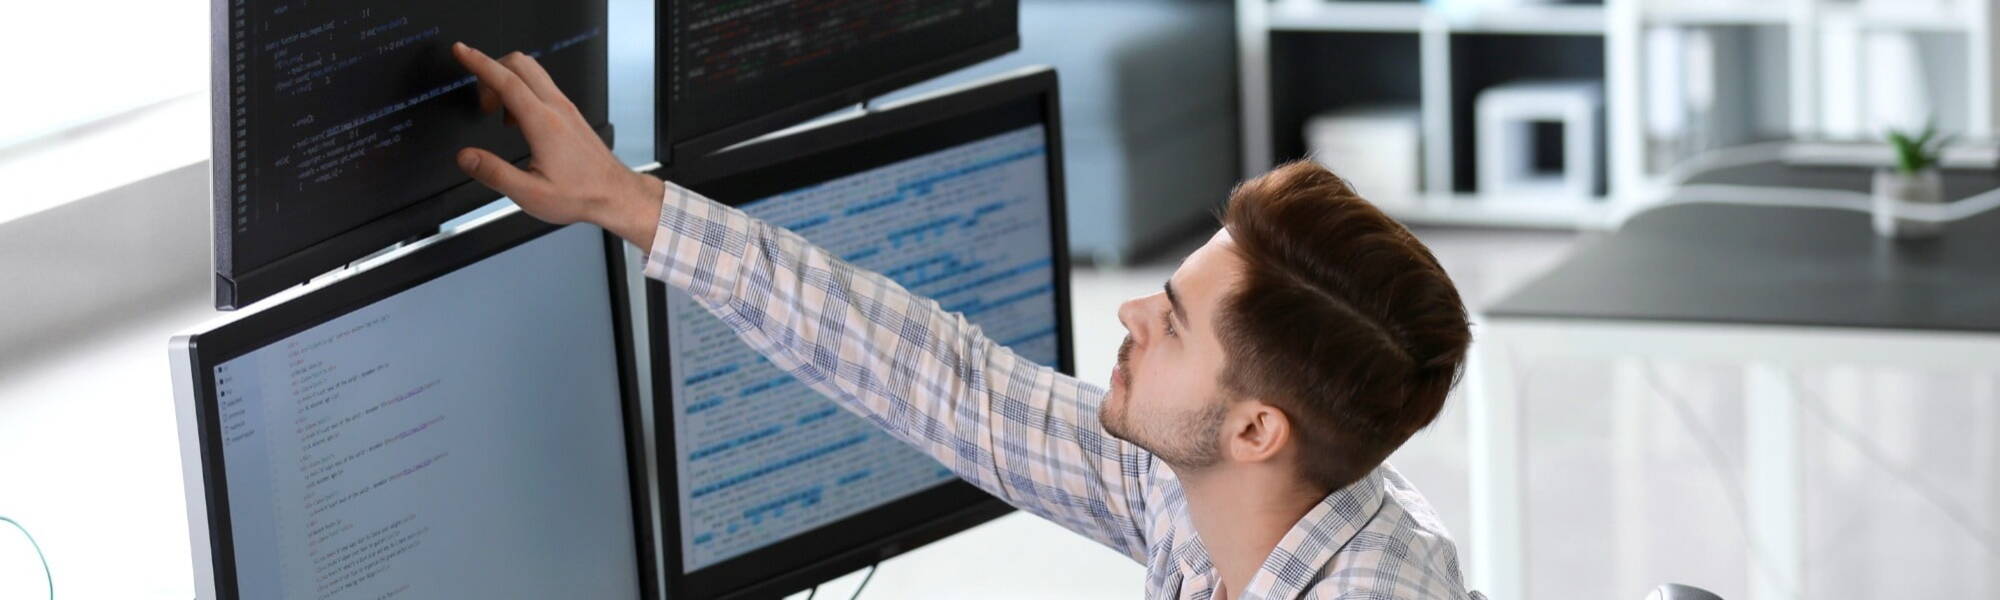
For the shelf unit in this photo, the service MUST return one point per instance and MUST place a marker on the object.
(1432, 57)
(1776, 70)
(1820, 79)
(1371, 15)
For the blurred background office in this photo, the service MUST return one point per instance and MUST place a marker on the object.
(1720, 340)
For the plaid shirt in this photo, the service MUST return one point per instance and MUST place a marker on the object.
(1017, 429)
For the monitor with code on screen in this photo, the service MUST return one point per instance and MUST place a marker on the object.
(732, 70)
(336, 123)
(460, 420)
(957, 197)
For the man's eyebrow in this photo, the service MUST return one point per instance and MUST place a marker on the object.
(1175, 299)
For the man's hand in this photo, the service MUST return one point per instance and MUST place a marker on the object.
(572, 176)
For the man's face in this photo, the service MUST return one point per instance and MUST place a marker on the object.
(1165, 393)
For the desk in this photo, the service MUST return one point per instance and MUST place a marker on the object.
(1772, 288)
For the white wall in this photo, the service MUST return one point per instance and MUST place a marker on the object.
(89, 456)
(75, 271)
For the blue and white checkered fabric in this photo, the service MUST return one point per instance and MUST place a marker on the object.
(1018, 429)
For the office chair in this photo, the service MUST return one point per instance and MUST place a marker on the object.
(1675, 591)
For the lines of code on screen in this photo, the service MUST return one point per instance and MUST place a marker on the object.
(761, 457)
(418, 447)
(733, 60)
(342, 112)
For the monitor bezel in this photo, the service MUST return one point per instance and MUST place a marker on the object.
(195, 355)
(237, 285)
(699, 147)
(940, 511)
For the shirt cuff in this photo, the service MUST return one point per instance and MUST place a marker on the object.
(658, 259)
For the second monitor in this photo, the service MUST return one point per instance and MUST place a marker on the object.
(336, 124)
(957, 197)
(731, 70)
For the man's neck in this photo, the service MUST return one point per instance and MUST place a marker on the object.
(1240, 516)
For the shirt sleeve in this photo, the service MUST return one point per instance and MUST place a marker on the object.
(1015, 428)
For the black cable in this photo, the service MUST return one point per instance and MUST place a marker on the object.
(51, 577)
(814, 592)
(864, 582)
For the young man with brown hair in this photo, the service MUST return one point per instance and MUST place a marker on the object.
(1239, 452)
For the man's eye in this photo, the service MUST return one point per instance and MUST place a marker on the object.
(1167, 318)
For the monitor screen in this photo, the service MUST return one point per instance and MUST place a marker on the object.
(463, 436)
(732, 70)
(342, 119)
(959, 200)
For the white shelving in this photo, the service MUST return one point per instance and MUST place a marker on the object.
(1433, 33)
(1878, 18)
(1531, 19)
(1292, 15)
(1793, 78)
(1468, 210)
(1336, 16)
(1718, 12)
(1826, 86)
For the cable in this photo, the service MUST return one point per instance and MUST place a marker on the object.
(864, 582)
(50, 576)
(814, 592)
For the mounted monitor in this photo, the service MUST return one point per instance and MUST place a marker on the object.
(336, 123)
(768, 487)
(458, 420)
(733, 70)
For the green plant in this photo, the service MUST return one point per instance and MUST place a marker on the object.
(1914, 155)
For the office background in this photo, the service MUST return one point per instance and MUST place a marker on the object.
(1636, 465)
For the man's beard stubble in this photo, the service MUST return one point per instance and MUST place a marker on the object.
(1191, 441)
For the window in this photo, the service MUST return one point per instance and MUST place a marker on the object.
(73, 63)
(100, 93)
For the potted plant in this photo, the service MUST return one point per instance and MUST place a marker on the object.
(1912, 186)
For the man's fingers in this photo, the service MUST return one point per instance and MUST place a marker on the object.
(531, 71)
(489, 100)
(503, 177)
(513, 92)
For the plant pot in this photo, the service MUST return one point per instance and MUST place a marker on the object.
(1902, 201)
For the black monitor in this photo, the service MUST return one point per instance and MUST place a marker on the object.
(336, 124)
(768, 487)
(731, 70)
(458, 420)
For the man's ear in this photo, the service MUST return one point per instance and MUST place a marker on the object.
(1257, 431)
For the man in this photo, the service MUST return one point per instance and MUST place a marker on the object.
(1239, 452)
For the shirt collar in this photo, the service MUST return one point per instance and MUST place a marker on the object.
(1294, 565)
(1190, 556)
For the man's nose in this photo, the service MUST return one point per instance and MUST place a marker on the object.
(1129, 316)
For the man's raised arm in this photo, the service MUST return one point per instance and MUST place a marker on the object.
(1015, 428)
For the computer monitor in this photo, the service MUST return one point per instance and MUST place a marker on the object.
(768, 487)
(336, 124)
(731, 70)
(458, 420)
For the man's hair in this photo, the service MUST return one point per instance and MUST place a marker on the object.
(1342, 319)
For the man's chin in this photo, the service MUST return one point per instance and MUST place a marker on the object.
(1111, 415)
(1114, 426)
